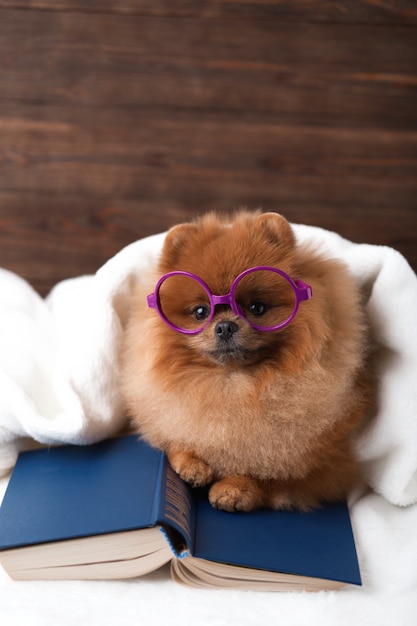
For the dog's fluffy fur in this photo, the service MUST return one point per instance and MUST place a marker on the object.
(267, 421)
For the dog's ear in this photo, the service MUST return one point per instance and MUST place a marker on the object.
(174, 241)
(277, 228)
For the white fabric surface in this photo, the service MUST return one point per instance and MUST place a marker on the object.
(58, 382)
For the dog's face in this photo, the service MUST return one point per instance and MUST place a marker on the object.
(228, 331)
(217, 253)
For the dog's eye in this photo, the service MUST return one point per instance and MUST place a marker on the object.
(257, 308)
(201, 313)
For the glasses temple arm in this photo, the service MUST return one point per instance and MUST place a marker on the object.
(304, 291)
(151, 299)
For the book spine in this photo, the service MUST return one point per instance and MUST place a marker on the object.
(174, 509)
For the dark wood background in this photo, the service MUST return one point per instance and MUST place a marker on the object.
(120, 118)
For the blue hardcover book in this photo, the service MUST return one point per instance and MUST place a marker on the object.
(116, 509)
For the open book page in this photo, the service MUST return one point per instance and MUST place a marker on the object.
(200, 573)
(118, 555)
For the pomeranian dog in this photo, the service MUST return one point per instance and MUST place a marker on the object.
(246, 363)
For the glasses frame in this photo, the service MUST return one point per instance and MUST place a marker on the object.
(302, 291)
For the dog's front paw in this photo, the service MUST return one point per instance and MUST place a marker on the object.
(191, 469)
(237, 493)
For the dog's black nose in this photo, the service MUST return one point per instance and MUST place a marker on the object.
(225, 330)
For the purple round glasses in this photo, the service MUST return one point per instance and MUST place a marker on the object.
(204, 311)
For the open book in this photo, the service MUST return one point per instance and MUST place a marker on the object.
(116, 509)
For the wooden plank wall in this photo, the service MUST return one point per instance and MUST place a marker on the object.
(119, 118)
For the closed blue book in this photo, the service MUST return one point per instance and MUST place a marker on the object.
(116, 509)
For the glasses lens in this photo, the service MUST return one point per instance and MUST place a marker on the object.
(266, 299)
(184, 302)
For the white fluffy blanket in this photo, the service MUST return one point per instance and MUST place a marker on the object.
(58, 380)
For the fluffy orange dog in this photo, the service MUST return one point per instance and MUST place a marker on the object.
(257, 393)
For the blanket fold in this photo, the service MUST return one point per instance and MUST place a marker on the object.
(60, 356)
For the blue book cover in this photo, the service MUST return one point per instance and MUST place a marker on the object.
(318, 543)
(69, 492)
(68, 506)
